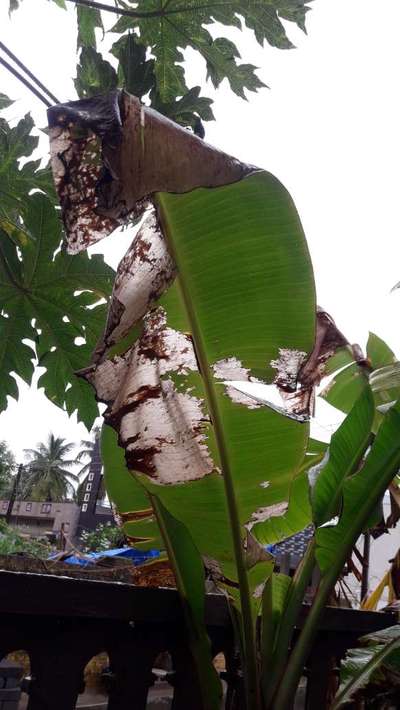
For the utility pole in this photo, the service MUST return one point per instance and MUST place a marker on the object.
(365, 566)
(14, 492)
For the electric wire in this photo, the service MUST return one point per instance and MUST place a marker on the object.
(24, 81)
(28, 72)
(108, 8)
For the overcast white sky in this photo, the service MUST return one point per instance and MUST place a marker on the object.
(328, 128)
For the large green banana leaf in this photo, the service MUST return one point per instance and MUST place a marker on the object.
(240, 253)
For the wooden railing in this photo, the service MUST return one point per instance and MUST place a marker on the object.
(62, 623)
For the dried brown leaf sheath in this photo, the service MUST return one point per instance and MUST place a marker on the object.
(110, 154)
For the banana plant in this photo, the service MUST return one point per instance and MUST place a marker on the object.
(371, 671)
(213, 317)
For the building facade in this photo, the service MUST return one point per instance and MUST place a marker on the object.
(92, 511)
(40, 519)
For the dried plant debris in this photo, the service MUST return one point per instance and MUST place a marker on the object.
(162, 430)
(328, 339)
(144, 274)
(254, 551)
(297, 376)
(78, 131)
(110, 154)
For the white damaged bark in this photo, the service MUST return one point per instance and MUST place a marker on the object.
(230, 370)
(162, 430)
(144, 274)
(288, 366)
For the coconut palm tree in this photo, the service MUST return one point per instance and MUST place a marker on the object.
(49, 476)
(86, 452)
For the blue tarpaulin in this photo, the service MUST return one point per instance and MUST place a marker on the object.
(90, 558)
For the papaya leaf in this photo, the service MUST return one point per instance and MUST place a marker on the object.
(135, 72)
(181, 24)
(16, 183)
(88, 19)
(41, 288)
(94, 74)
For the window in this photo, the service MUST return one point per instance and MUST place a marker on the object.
(84, 508)
(86, 497)
(28, 506)
(5, 505)
(90, 476)
(16, 507)
(89, 487)
(46, 508)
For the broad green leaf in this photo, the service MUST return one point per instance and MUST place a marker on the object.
(88, 19)
(39, 294)
(94, 75)
(297, 517)
(263, 447)
(378, 352)
(360, 493)
(189, 573)
(338, 361)
(360, 665)
(386, 380)
(345, 388)
(315, 447)
(344, 454)
(349, 382)
(274, 599)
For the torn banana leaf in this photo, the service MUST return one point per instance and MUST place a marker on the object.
(156, 396)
